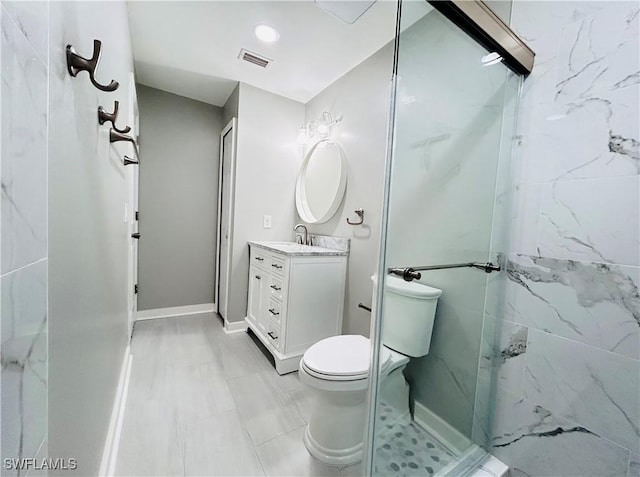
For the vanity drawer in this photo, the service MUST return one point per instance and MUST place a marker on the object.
(259, 257)
(274, 312)
(273, 335)
(275, 286)
(277, 265)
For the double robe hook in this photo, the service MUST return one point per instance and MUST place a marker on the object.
(103, 117)
(115, 134)
(76, 64)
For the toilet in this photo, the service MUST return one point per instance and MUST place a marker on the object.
(337, 368)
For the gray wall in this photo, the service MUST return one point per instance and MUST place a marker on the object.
(230, 108)
(362, 98)
(88, 240)
(179, 149)
(267, 163)
(24, 230)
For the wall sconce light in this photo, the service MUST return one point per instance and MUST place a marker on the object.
(320, 128)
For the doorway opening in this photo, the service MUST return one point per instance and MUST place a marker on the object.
(224, 226)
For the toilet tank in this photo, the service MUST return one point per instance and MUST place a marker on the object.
(408, 315)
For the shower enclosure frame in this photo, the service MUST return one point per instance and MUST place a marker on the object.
(476, 19)
(481, 24)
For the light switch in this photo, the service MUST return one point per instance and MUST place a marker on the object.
(266, 221)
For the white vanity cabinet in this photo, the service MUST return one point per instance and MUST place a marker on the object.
(296, 297)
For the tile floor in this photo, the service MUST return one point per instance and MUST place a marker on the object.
(202, 402)
(405, 449)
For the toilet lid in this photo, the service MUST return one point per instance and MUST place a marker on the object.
(344, 355)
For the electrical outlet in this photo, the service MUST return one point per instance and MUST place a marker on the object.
(266, 221)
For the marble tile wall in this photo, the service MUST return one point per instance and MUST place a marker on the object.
(23, 236)
(568, 377)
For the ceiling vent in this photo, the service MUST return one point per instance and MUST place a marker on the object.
(254, 58)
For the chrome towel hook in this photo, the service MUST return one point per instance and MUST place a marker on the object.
(103, 117)
(76, 64)
(359, 213)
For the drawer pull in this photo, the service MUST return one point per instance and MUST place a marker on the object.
(258, 277)
(260, 259)
(272, 336)
(275, 287)
(273, 312)
(275, 265)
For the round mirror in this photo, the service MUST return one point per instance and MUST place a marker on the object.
(322, 182)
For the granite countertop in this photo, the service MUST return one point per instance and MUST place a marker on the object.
(292, 248)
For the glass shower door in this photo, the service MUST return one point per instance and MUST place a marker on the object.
(447, 203)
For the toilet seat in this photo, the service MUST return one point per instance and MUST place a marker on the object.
(339, 358)
(342, 358)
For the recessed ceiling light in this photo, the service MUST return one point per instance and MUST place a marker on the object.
(266, 33)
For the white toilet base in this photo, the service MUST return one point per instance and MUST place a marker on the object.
(331, 456)
(336, 428)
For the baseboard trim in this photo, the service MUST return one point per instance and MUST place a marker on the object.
(173, 311)
(234, 327)
(112, 442)
(457, 442)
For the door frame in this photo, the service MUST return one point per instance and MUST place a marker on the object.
(230, 128)
(133, 179)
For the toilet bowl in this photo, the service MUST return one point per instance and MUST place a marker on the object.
(337, 368)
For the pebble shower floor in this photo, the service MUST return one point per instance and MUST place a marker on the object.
(406, 449)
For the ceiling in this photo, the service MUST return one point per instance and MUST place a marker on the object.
(191, 48)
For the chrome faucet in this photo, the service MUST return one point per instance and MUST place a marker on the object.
(305, 240)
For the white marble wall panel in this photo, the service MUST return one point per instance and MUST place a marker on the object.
(501, 366)
(534, 441)
(634, 465)
(605, 144)
(593, 220)
(23, 201)
(32, 18)
(595, 388)
(24, 361)
(507, 357)
(596, 53)
(24, 149)
(579, 106)
(525, 217)
(593, 303)
(573, 271)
